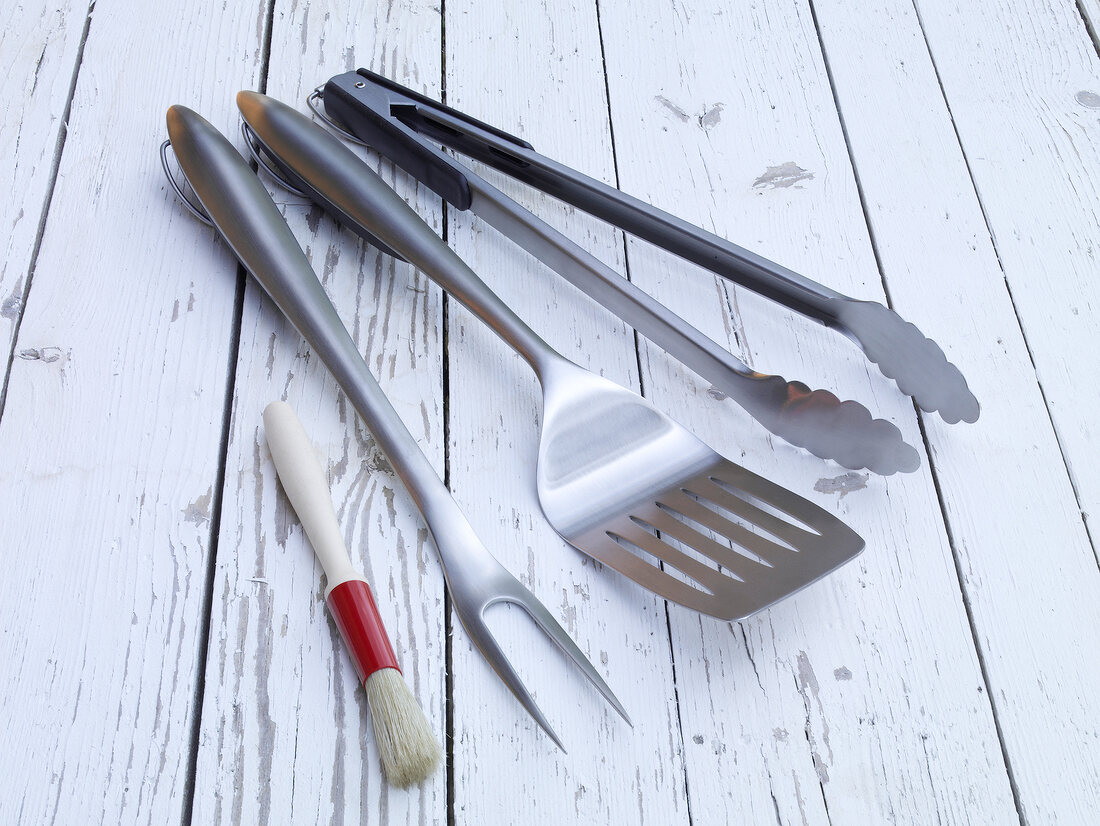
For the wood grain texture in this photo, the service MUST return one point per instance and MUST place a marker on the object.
(286, 733)
(505, 770)
(38, 56)
(860, 699)
(1015, 568)
(109, 445)
(1023, 84)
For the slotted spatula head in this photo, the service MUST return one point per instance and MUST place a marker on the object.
(635, 490)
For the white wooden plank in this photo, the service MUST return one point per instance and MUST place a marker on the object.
(38, 55)
(1034, 610)
(110, 440)
(1023, 84)
(283, 713)
(538, 70)
(860, 699)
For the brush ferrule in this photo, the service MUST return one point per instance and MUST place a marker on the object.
(352, 606)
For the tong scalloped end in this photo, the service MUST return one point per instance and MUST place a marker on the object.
(819, 422)
(904, 354)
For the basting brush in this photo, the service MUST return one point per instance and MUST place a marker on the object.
(407, 747)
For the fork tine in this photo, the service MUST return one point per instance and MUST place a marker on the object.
(483, 639)
(552, 628)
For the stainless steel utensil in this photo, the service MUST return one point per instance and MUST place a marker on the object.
(376, 109)
(239, 206)
(815, 420)
(616, 477)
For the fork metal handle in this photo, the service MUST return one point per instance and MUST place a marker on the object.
(244, 214)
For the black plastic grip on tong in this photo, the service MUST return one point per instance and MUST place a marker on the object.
(365, 111)
(399, 91)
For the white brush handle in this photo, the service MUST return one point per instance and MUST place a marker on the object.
(308, 491)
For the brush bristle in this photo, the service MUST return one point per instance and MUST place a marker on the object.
(406, 745)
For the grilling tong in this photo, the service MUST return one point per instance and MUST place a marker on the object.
(405, 127)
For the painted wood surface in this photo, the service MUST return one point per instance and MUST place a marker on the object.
(943, 156)
(1022, 81)
(110, 439)
(814, 724)
(38, 61)
(1014, 567)
(282, 699)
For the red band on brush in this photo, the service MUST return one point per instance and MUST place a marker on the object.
(352, 606)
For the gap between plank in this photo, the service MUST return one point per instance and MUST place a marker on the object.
(1090, 29)
(1000, 265)
(641, 391)
(55, 165)
(920, 417)
(203, 644)
(448, 622)
(206, 612)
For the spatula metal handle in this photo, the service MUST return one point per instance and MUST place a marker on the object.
(255, 230)
(336, 177)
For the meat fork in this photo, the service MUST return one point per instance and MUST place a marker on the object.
(238, 205)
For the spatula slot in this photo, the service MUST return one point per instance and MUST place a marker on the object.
(717, 558)
(732, 561)
(678, 564)
(766, 513)
(733, 527)
(692, 525)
